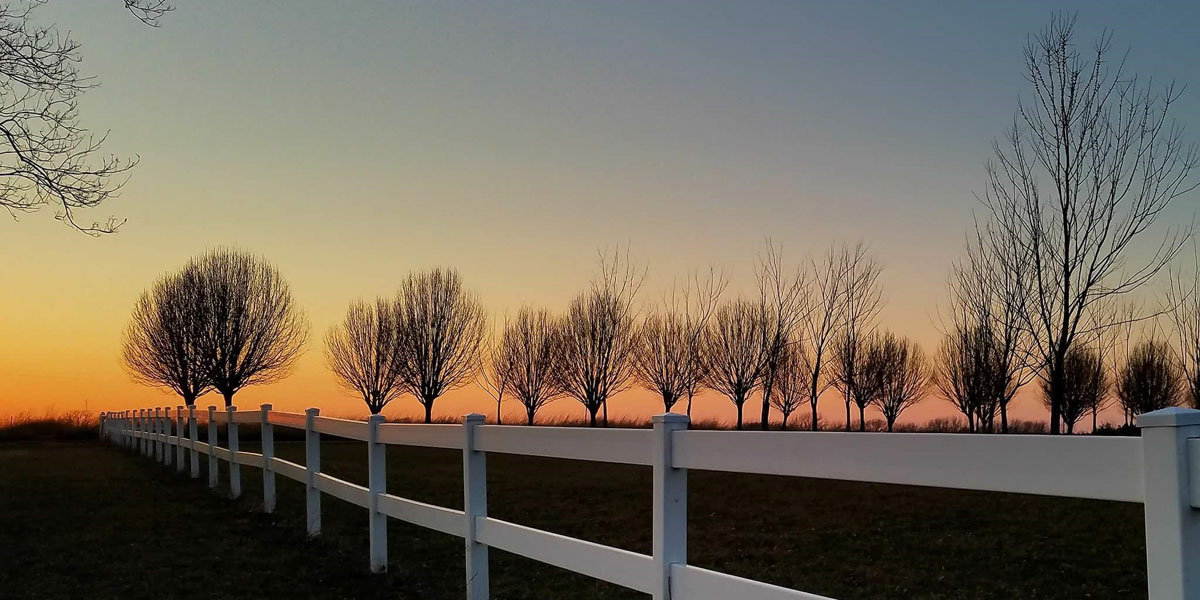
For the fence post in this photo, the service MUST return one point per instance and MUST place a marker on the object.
(102, 433)
(137, 426)
(235, 470)
(1172, 525)
(474, 505)
(168, 451)
(268, 452)
(670, 504)
(194, 436)
(163, 451)
(179, 437)
(376, 484)
(213, 474)
(312, 466)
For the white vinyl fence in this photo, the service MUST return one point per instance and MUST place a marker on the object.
(1155, 469)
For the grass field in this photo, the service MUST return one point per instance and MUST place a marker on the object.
(83, 519)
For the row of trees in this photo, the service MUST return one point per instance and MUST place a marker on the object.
(227, 320)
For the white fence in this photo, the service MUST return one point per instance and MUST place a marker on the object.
(1153, 469)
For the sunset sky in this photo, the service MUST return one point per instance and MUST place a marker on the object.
(350, 143)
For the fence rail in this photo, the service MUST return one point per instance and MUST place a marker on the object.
(1156, 469)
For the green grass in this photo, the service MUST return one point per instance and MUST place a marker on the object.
(89, 520)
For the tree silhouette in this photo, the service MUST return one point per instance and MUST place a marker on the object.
(734, 352)
(442, 329)
(1084, 385)
(1086, 169)
(597, 337)
(255, 332)
(46, 156)
(1183, 301)
(1150, 379)
(363, 351)
(862, 298)
(528, 357)
(897, 373)
(791, 383)
(162, 343)
(490, 377)
(784, 300)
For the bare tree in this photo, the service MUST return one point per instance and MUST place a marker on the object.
(904, 375)
(791, 383)
(597, 337)
(784, 300)
(1085, 385)
(1086, 169)
(862, 298)
(527, 359)
(363, 351)
(162, 343)
(255, 331)
(1183, 301)
(989, 292)
(733, 351)
(46, 156)
(699, 302)
(970, 374)
(442, 328)
(825, 319)
(490, 377)
(1150, 380)
(661, 356)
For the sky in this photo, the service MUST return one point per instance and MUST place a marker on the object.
(352, 143)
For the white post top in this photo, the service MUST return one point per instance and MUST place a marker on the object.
(474, 418)
(312, 411)
(669, 418)
(266, 407)
(1172, 416)
(378, 418)
(231, 408)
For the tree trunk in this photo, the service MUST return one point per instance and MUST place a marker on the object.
(228, 398)
(862, 421)
(766, 408)
(1056, 395)
(529, 413)
(847, 412)
(890, 423)
(1004, 418)
(604, 403)
(592, 416)
(783, 426)
(814, 416)
(428, 411)
(739, 416)
(1093, 419)
(689, 408)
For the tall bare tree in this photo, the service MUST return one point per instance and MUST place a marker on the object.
(528, 359)
(825, 318)
(1150, 379)
(490, 377)
(442, 328)
(47, 157)
(1084, 172)
(862, 298)
(700, 301)
(791, 383)
(162, 343)
(899, 372)
(734, 352)
(597, 337)
(363, 351)
(255, 331)
(1183, 302)
(1085, 384)
(784, 299)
